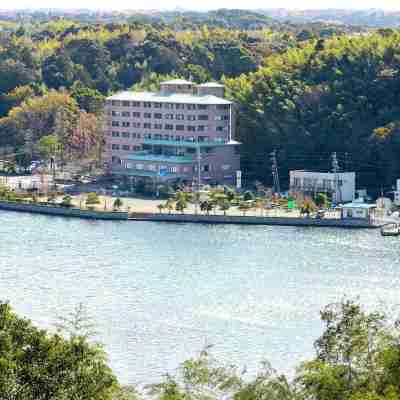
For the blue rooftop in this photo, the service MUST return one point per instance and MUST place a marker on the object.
(358, 205)
(144, 156)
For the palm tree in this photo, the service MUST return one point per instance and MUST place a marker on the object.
(181, 205)
(206, 206)
(161, 208)
(66, 201)
(169, 206)
(117, 204)
(224, 206)
(244, 207)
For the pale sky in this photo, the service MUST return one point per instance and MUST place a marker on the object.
(200, 5)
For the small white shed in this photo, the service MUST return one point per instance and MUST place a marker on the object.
(358, 210)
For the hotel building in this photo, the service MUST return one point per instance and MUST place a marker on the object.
(172, 134)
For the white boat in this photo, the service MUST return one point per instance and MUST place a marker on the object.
(392, 229)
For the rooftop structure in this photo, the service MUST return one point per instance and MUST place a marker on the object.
(172, 134)
(358, 210)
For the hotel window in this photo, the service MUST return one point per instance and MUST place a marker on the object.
(147, 104)
(115, 134)
(115, 103)
(191, 118)
(147, 115)
(179, 117)
(169, 116)
(126, 103)
(169, 127)
(174, 170)
(136, 124)
(125, 134)
(180, 127)
(168, 106)
(136, 114)
(115, 123)
(115, 147)
(166, 137)
(179, 106)
(147, 135)
(136, 148)
(202, 106)
(220, 128)
(206, 168)
(151, 167)
(190, 106)
(158, 116)
(125, 147)
(139, 166)
(126, 114)
(222, 107)
(135, 103)
(221, 118)
(126, 124)
(191, 128)
(225, 167)
(201, 128)
(115, 113)
(157, 126)
(147, 126)
(157, 105)
(203, 117)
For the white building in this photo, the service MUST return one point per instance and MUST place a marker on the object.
(312, 183)
(358, 210)
(397, 194)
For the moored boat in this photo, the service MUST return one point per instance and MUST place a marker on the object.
(392, 229)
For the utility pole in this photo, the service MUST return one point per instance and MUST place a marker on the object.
(335, 170)
(198, 166)
(275, 173)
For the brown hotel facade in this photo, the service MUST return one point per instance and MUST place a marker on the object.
(169, 134)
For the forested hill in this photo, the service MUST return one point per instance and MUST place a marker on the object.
(370, 17)
(338, 95)
(304, 89)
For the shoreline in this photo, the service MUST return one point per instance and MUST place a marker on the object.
(187, 218)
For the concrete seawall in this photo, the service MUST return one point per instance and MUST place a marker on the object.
(63, 211)
(253, 220)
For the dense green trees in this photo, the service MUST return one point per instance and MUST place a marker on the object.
(299, 89)
(37, 365)
(330, 95)
(357, 357)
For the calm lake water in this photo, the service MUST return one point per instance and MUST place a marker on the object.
(160, 292)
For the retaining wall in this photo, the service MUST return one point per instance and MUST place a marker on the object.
(253, 220)
(63, 211)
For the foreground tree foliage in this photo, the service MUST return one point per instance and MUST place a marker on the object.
(37, 365)
(357, 358)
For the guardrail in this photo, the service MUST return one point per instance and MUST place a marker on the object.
(62, 211)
